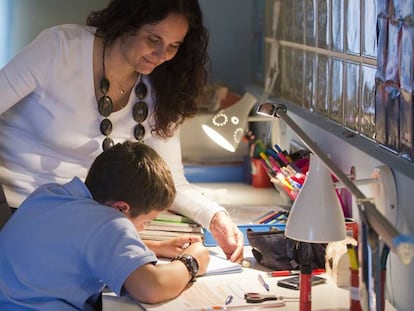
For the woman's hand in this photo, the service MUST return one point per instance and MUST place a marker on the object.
(171, 247)
(228, 236)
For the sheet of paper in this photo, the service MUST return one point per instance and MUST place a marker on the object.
(205, 293)
(211, 292)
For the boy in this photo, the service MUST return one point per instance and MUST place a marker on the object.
(66, 242)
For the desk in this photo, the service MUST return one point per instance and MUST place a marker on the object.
(237, 198)
(326, 297)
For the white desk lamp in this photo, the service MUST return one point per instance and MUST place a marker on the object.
(226, 127)
(316, 215)
(301, 226)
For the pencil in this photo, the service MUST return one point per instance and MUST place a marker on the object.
(265, 217)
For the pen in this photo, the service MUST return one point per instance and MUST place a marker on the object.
(292, 194)
(299, 178)
(284, 273)
(229, 299)
(293, 272)
(265, 158)
(276, 220)
(266, 167)
(281, 215)
(284, 152)
(267, 306)
(277, 147)
(213, 308)
(283, 180)
(187, 244)
(282, 157)
(269, 215)
(263, 282)
(275, 165)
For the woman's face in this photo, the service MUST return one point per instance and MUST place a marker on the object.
(154, 44)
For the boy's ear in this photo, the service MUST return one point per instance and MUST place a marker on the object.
(121, 206)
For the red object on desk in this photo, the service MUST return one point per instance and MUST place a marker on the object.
(260, 178)
(355, 304)
(305, 288)
(294, 272)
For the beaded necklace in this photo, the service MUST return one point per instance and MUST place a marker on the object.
(105, 108)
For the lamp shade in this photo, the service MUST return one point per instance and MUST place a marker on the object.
(316, 215)
(227, 126)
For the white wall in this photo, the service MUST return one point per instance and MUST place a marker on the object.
(3, 31)
(26, 18)
(230, 47)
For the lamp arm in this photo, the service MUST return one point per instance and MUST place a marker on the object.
(400, 244)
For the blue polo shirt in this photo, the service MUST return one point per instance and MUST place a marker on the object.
(61, 247)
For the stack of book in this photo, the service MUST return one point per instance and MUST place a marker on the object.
(169, 225)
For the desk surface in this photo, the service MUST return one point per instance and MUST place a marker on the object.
(236, 197)
(326, 297)
(237, 194)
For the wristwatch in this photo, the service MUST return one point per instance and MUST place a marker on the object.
(190, 263)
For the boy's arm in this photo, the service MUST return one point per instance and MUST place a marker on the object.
(157, 283)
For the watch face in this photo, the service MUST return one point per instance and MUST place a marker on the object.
(190, 263)
(194, 265)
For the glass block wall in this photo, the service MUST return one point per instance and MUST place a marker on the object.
(394, 78)
(350, 61)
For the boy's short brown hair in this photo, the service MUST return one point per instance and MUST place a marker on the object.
(132, 172)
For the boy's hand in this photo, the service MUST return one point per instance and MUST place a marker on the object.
(172, 247)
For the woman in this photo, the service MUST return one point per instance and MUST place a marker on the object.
(134, 71)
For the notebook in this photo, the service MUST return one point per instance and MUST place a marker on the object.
(216, 265)
(219, 265)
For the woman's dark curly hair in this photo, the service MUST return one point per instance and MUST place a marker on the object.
(177, 82)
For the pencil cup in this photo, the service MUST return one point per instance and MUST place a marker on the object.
(355, 304)
(260, 179)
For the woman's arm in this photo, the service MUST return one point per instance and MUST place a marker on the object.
(191, 202)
